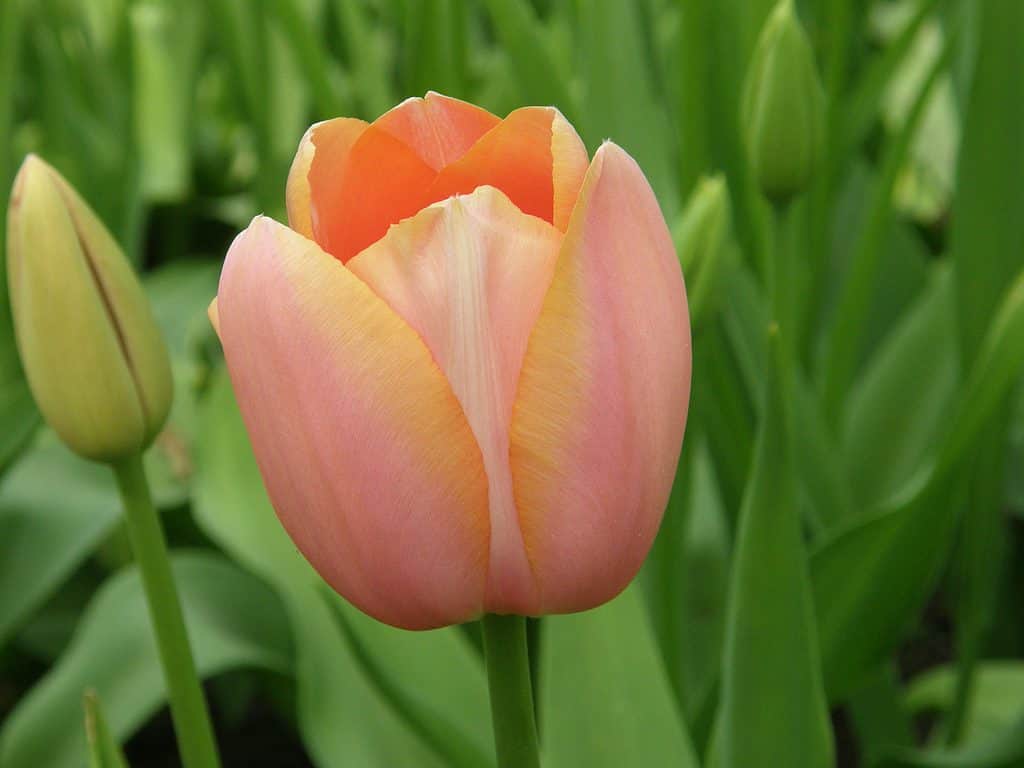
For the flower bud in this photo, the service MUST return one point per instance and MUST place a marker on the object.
(92, 352)
(783, 107)
(702, 236)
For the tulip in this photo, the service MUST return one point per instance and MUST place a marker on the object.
(92, 352)
(783, 111)
(465, 367)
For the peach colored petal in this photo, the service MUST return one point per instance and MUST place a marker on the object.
(469, 275)
(439, 128)
(601, 407)
(534, 156)
(363, 447)
(325, 145)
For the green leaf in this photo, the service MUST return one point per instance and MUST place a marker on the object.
(434, 47)
(368, 57)
(537, 73)
(773, 709)
(987, 236)
(895, 416)
(1003, 751)
(165, 48)
(345, 716)
(619, 100)
(55, 509)
(104, 751)
(605, 699)
(705, 587)
(995, 704)
(234, 621)
(872, 578)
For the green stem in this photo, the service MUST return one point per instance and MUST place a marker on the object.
(188, 707)
(508, 674)
(780, 286)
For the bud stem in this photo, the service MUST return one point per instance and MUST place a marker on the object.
(188, 706)
(508, 675)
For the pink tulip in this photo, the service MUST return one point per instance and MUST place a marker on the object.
(465, 368)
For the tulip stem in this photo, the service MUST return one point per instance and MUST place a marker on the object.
(188, 705)
(508, 675)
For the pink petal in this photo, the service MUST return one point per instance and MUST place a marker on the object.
(601, 407)
(469, 275)
(364, 449)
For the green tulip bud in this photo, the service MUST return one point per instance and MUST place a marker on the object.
(783, 107)
(94, 357)
(703, 240)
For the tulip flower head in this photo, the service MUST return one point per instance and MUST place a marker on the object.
(465, 367)
(93, 354)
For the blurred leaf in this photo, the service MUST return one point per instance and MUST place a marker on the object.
(894, 415)
(368, 57)
(866, 100)
(104, 751)
(300, 30)
(844, 337)
(165, 47)
(871, 579)
(344, 716)
(1003, 751)
(234, 621)
(705, 559)
(619, 100)
(996, 701)
(434, 48)
(773, 709)
(537, 73)
(18, 416)
(179, 293)
(55, 509)
(605, 699)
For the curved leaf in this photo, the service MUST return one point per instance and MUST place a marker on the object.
(234, 621)
(605, 700)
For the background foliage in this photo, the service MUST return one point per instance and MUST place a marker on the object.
(177, 120)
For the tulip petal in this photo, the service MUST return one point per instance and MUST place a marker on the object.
(534, 156)
(440, 129)
(601, 406)
(322, 152)
(470, 275)
(364, 449)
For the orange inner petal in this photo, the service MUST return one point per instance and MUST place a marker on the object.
(515, 157)
(427, 150)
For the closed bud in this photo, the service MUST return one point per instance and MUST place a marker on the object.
(783, 108)
(703, 240)
(92, 352)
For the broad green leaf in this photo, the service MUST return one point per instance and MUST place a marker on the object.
(234, 621)
(104, 751)
(619, 101)
(605, 700)
(894, 415)
(773, 709)
(55, 509)
(987, 235)
(987, 245)
(871, 579)
(437, 670)
(996, 701)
